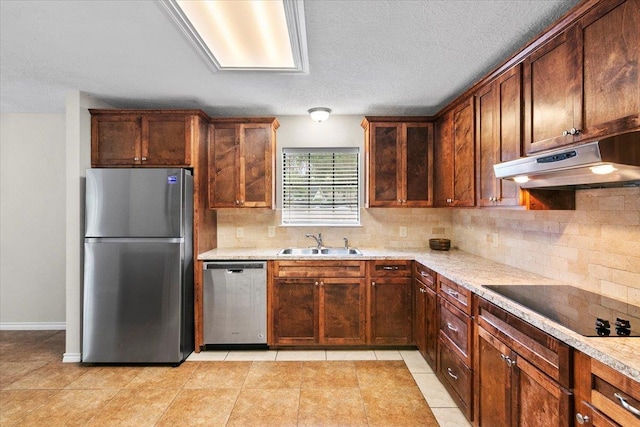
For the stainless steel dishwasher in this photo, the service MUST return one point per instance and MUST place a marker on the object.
(235, 304)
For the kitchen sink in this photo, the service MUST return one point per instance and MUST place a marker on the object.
(319, 252)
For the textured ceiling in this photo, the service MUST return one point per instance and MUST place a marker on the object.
(365, 57)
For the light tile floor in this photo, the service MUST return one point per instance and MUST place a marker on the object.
(442, 405)
(347, 389)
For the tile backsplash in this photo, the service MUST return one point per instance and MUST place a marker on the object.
(596, 246)
(381, 228)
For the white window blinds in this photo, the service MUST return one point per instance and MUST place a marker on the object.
(320, 186)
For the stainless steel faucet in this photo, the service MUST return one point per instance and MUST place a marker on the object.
(317, 239)
(346, 242)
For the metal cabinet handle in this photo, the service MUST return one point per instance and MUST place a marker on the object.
(389, 267)
(582, 419)
(510, 362)
(373, 283)
(626, 405)
(449, 200)
(451, 327)
(144, 158)
(316, 283)
(423, 291)
(321, 283)
(451, 374)
(136, 159)
(423, 274)
(452, 293)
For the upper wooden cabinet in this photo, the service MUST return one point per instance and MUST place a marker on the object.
(399, 161)
(454, 149)
(498, 137)
(583, 83)
(242, 162)
(144, 137)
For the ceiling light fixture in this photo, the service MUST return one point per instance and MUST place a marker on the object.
(245, 35)
(319, 114)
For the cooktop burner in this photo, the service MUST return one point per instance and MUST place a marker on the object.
(584, 312)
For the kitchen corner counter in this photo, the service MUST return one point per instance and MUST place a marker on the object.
(474, 273)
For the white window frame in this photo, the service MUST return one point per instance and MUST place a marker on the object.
(289, 220)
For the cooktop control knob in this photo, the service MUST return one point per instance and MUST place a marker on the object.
(603, 327)
(623, 327)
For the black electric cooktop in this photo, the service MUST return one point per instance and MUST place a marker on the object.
(584, 312)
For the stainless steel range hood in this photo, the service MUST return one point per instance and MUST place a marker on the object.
(611, 162)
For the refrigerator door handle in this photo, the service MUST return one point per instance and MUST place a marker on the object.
(134, 240)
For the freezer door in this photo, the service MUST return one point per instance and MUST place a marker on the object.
(135, 202)
(133, 302)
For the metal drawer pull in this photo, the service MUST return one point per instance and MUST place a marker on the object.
(626, 405)
(451, 374)
(452, 293)
(388, 267)
(451, 328)
(582, 419)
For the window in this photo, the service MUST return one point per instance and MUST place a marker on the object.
(320, 186)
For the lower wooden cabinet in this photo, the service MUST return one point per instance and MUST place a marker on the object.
(425, 313)
(522, 375)
(390, 308)
(318, 303)
(603, 396)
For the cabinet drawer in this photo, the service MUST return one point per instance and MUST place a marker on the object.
(545, 352)
(425, 275)
(455, 294)
(319, 269)
(457, 376)
(614, 394)
(455, 328)
(396, 268)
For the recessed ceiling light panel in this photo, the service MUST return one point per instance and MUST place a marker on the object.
(245, 34)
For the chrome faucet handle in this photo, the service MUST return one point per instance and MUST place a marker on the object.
(346, 242)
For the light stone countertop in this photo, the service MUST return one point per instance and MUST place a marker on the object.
(474, 272)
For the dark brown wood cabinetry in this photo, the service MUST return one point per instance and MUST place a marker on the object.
(241, 163)
(583, 83)
(314, 302)
(425, 313)
(152, 138)
(399, 161)
(390, 308)
(603, 396)
(523, 375)
(498, 137)
(455, 350)
(454, 149)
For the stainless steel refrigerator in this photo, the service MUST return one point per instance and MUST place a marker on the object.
(138, 266)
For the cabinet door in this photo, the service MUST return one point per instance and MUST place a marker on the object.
(256, 158)
(463, 155)
(386, 164)
(540, 400)
(509, 134)
(417, 176)
(342, 311)
(552, 85)
(420, 316)
(486, 144)
(294, 311)
(610, 35)
(493, 382)
(166, 140)
(115, 140)
(443, 167)
(390, 311)
(224, 159)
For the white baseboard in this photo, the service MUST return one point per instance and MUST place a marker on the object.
(72, 358)
(33, 326)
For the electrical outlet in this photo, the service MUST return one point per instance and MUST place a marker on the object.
(271, 231)
(239, 232)
(403, 231)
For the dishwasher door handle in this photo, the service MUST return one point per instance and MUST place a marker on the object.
(238, 267)
(235, 271)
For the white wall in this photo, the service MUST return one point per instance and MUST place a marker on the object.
(301, 131)
(32, 221)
